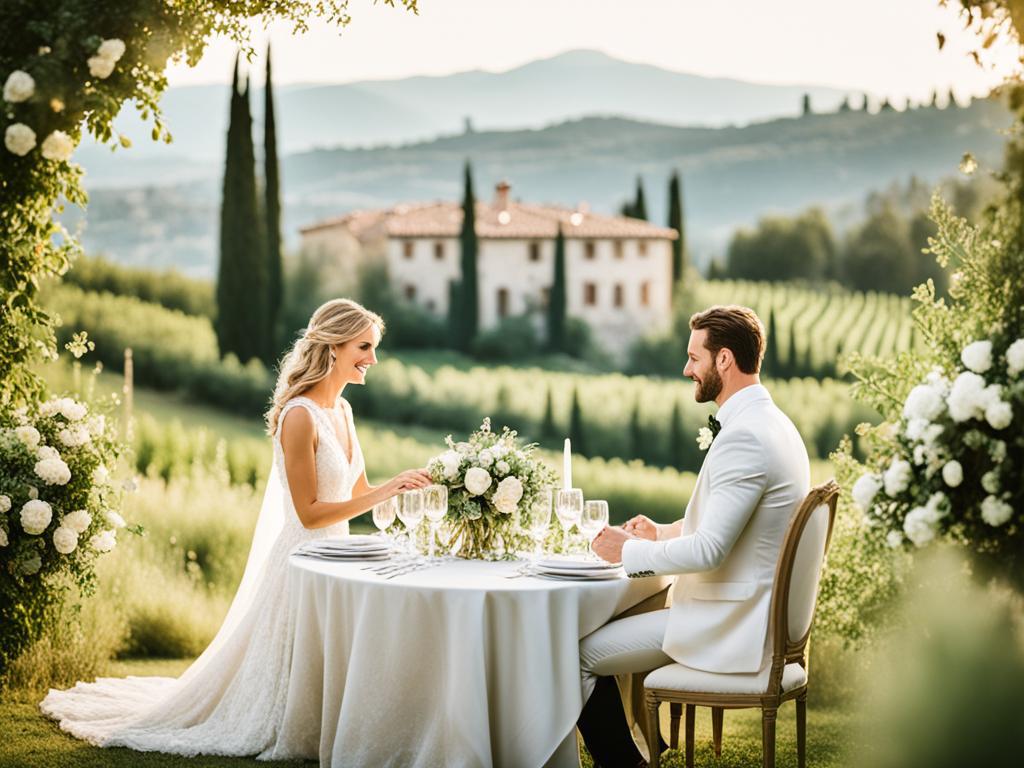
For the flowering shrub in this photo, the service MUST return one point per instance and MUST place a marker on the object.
(948, 458)
(489, 478)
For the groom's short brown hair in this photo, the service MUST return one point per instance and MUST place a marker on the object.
(735, 328)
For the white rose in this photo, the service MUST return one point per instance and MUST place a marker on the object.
(71, 409)
(100, 475)
(65, 540)
(978, 356)
(19, 87)
(894, 539)
(995, 512)
(999, 414)
(704, 438)
(1015, 358)
(504, 504)
(486, 458)
(897, 477)
(864, 490)
(77, 521)
(3, 538)
(35, 516)
(450, 461)
(29, 436)
(919, 526)
(44, 452)
(115, 519)
(112, 49)
(513, 487)
(53, 471)
(498, 451)
(477, 480)
(5, 503)
(103, 541)
(100, 66)
(952, 473)
(502, 467)
(966, 397)
(19, 139)
(990, 482)
(58, 146)
(923, 402)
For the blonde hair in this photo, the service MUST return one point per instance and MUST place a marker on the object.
(309, 360)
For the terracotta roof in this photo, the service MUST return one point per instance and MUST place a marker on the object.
(516, 220)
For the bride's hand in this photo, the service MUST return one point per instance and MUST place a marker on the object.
(408, 480)
(642, 526)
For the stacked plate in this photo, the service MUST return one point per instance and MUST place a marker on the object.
(358, 547)
(577, 568)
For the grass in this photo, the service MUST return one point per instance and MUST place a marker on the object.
(29, 740)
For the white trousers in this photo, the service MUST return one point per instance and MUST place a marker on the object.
(622, 647)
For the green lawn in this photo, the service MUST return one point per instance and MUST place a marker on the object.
(29, 740)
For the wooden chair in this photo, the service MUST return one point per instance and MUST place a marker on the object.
(792, 613)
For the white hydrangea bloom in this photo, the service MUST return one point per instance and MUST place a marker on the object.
(894, 539)
(990, 482)
(77, 521)
(103, 541)
(19, 87)
(953, 473)
(865, 489)
(53, 471)
(35, 516)
(919, 526)
(5, 503)
(477, 480)
(97, 425)
(1015, 358)
(3, 538)
(73, 437)
(978, 356)
(486, 458)
(65, 540)
(115, 519)
(924, 402)
(29, 436)
(19, 139)
(999, 414)
(58, 146)
(100, 475)
(915, 428)
(44, 452)
(112, 49)
(997, 450)
(71, 409)
(967, 397)
(897, 477)
(100, 66)
(995, 512)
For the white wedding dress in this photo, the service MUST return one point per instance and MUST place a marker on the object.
(231, 700)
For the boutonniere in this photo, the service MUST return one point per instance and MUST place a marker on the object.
(706, 435)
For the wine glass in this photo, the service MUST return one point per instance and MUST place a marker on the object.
(568, 509)
(411, 514)
(594, 519)
(536, 519)
(435, 505)
(384, 515)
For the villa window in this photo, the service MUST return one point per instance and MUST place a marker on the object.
(641, 247)
(407, 248)
(618, 249)
(619, 297)
(439, 250)
(645, 294)
(503, 302)
(590, 249)
(590, 294)
(410, 292)
(534, 251)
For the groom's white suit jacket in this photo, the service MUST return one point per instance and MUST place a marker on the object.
(753, 478)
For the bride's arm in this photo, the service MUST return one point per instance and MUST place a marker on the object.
(298, 436)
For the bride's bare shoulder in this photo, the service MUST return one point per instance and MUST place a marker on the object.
(297, 426)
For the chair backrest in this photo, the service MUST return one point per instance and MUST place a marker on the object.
(797, 574)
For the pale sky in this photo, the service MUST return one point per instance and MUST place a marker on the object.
(886, 47)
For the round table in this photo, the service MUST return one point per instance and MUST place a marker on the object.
(455, 665)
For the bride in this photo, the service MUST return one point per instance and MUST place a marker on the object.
(231, 700)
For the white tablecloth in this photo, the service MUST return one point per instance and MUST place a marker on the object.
(451, 666)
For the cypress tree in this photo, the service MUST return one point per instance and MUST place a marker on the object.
(805, 105)
(241, 275)
(636, 433)
(455, 313)
(640, 204)
(845, 106)
(557, 298)
(866, 104)
(272, 210)
(576, 433)
(951, 100)
(675, 438)
(676, 222)
(469, 299)
(793, 358)
(548, 430)
(771, 354)
(935, 99)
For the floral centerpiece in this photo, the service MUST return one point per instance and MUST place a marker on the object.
(947, 459)
(490, 477)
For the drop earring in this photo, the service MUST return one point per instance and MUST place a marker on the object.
(333, 358)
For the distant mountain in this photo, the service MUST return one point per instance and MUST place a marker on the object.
(731, 175)
(374, 113)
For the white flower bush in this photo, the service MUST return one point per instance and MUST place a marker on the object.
(19, 139)
(35, 516)
(482, 512)
(65, 540)
(19, 87)
(58, 146)
(53, 471)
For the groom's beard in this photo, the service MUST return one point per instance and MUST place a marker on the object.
(710, 387)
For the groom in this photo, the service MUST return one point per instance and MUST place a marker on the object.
(725, 548)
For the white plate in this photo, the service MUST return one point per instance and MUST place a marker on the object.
(558, 571)
(602, 576)
(357, 542)
(575, 562)
(341, 558)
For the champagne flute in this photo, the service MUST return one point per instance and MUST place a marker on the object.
(594, 519)
(384, 516)
(435, 505)
(411, 514)
(568, 509)
(536, 519)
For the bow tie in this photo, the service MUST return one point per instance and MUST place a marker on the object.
(714, 425)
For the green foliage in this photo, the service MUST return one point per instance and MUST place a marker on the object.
(469, 299)
(557, 301)
(577, 430)
(514, 338)
(678, 223)
(409, 326)
(168, 288)
(272, 217)
(782, 249)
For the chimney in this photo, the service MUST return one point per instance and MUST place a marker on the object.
(501, 195)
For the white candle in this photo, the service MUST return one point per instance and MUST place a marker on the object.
(567, 465)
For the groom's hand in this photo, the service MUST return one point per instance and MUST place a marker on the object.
(608, 544)
(642, 527)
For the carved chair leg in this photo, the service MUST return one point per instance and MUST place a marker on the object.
(717, 715)
(801, 731)
(768, 717)
(675, 710)
(653, 728)
(691, 712)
